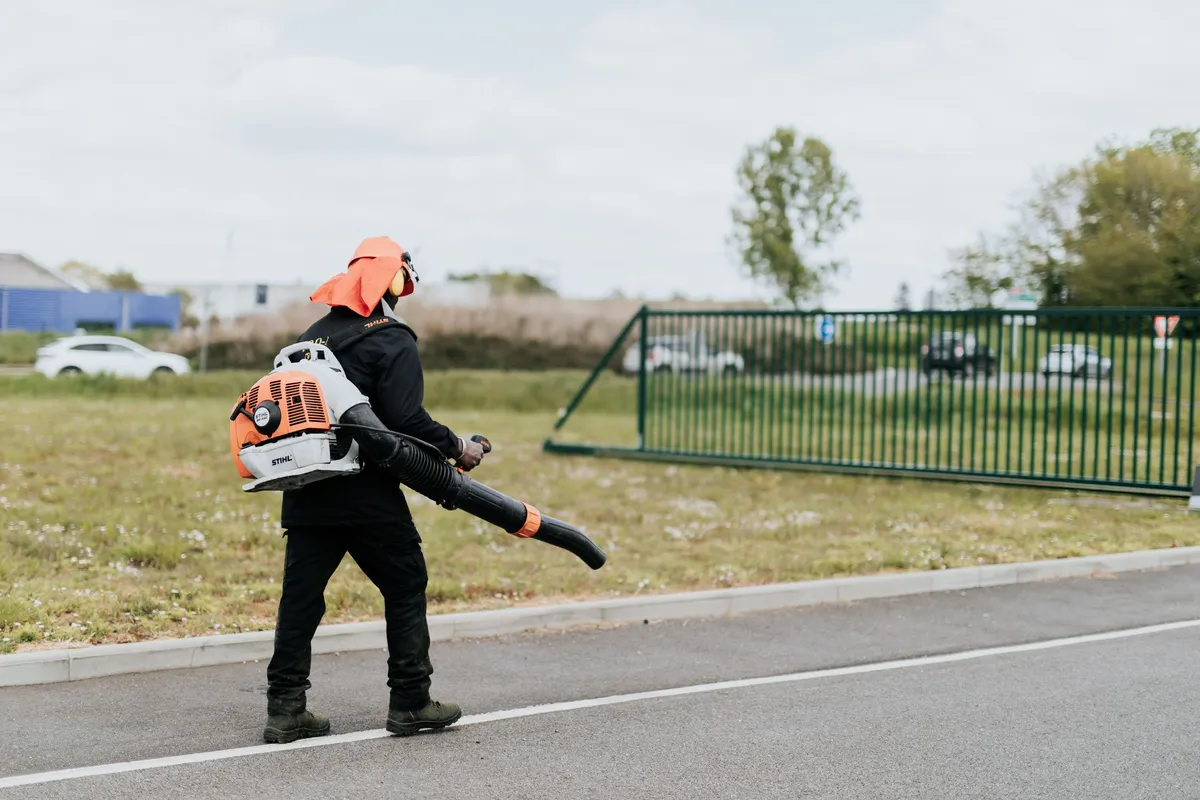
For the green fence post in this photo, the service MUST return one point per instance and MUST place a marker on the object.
(583, 390)
(643, 344)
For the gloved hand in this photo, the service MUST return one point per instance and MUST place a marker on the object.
(473, 450)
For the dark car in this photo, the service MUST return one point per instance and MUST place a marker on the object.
(958, 354)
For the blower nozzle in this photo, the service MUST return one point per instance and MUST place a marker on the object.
(451, 489)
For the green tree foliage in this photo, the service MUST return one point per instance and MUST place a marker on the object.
(86, 274)
(1138, 240)
(981, 271)
(187, 304)
(793, 201)
(1120, 228)
(123, 281)
(508, 282)
(903, 300)
(95, 278)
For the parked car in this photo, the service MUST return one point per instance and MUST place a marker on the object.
(958, 353)
(112, 355)
(682, 354)
(1078, 361)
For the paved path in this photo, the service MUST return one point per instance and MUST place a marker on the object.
(1108, 718)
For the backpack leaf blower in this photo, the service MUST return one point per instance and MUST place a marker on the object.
(306, 421)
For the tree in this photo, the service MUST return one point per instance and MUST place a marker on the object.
(794, 201)
(904, 298)
(187, 303)
(1120, 228)
(86, 274)
(980, 272)
(123, 281)
(1176, 141)
(96, 278)
(1038, 247)
(1138, 240)
(508, 282)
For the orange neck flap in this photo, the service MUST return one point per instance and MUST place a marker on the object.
(372, 269)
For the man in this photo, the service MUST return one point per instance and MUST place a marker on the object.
(364, 514)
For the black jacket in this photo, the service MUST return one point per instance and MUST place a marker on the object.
(379, 356)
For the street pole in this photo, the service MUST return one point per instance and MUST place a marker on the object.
(204, 326)
(1162, 355)
(204, 323)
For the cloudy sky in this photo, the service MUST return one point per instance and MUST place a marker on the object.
(593, 143)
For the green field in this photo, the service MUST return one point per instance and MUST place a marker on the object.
(121, 516)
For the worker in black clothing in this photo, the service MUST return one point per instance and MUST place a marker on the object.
(365, 514)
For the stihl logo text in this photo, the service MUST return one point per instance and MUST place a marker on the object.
(282, 460)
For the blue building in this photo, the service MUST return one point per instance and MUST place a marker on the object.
(33, 298)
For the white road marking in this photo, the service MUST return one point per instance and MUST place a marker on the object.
(576, 705)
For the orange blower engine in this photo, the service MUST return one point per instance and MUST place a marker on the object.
(306, 421)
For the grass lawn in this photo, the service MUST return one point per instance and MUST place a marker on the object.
(121, 518)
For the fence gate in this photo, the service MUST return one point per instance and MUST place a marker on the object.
(1087, 398)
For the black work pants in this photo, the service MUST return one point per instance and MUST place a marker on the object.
(393, 560)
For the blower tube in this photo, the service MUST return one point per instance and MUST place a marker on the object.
(451, 489)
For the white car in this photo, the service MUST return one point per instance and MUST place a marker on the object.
(106, 355)
(682, 354)
(1076, 360)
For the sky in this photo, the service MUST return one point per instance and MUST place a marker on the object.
(592, 143)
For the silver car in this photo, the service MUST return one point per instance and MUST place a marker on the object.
(682, 354)
(1076, 360)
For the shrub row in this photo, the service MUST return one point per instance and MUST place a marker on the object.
(441, 352)
(786, 355)
(445, 390)
(19, 348)
(447, 351)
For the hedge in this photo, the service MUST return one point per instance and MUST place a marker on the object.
(459, 390)
(785, 355)
(19, 348)
(441, 352)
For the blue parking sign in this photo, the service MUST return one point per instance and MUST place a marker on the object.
(826, 329)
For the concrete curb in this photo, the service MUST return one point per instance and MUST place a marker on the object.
(59, 666)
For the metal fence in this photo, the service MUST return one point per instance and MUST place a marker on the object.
(1089, 398)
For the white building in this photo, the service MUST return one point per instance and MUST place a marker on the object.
(228, 301)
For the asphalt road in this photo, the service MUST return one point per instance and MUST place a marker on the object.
(1113, 718)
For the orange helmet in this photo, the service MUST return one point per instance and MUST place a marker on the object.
(379, 267)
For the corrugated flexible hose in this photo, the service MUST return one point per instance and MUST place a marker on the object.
(451, 489)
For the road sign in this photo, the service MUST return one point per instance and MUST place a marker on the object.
(1163, 325)
(825, 328)
(1021, 301)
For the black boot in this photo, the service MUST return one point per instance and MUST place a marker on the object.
(288, 721)
(434, 716)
